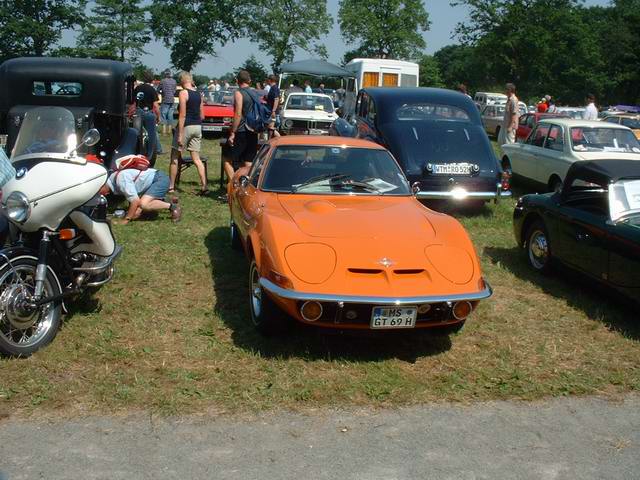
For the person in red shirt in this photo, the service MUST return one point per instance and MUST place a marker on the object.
(542, 106)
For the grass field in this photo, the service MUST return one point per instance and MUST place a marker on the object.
(171, 334)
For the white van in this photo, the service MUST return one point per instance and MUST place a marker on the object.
(378, 72)
(488, 98)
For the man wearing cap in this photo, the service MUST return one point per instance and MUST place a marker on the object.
(145, 190)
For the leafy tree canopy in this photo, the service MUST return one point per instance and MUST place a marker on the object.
(33, 27)
(384, 28)
(256, 69)
(192, 29)
(116, 29)
(283, 26)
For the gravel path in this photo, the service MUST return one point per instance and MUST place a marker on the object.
(573, 438)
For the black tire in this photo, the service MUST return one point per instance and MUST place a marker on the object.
(265, 315)
(448, 329)
(236, 244)
(555, 184)
(42, 326)
(537, 247)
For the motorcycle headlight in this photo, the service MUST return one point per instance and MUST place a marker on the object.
(17, 207)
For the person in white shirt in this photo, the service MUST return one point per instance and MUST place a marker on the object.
(591, 112)
(307, 87)
(510, 121)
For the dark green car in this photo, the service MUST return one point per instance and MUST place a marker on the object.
(592, 225)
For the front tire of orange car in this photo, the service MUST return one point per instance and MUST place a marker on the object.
(267, 318)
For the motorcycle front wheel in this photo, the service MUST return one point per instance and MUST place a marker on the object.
(24, 331)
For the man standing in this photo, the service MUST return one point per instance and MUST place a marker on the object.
(146, 101)
(243, 142)
(307, 87)
(168, 90)
(510, 120)
(273, 101)
(591, 112)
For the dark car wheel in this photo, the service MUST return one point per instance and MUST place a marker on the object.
(265, 315)
(236, 244)
(538, 248)
(555, 184)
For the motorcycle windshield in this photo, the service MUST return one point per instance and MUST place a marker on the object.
(46, 131)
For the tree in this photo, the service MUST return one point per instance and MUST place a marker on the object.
(430, 75)
(282, 26)
(194, 28)
(116, 29)
(560, 56)
(257, 71)
(34, 27)
(460, 64)
(384, 28)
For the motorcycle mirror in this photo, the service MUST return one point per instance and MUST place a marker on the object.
(91, 137)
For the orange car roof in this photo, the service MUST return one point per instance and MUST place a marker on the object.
(323, 140)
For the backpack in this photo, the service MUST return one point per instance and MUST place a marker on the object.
(258, 117)
(132, 162)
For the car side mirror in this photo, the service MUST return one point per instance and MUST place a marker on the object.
(415, 187)
(244, 181)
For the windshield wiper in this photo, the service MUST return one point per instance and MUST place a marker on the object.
(355, 184)
(320, 178)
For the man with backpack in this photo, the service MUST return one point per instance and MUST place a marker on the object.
(144, 188)
(250, 118)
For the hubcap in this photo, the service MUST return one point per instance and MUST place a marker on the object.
(20, 324)
(256, 292)
(538, 249)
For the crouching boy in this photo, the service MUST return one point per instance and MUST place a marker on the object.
(145, 190)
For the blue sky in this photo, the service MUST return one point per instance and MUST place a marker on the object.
(443, 19)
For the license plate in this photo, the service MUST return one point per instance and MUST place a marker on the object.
(211, 128)
(394, 317)
(316, 131)
(452, 169)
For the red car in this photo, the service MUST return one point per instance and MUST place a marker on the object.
(218, 112)
(530, 120)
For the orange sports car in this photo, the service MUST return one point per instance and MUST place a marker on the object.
(336, 239)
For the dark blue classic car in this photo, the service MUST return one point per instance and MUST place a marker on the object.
(591, 225)
(436, 136)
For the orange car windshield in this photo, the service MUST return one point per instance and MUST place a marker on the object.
(334, 170)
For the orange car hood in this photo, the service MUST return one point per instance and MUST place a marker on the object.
(346, 216)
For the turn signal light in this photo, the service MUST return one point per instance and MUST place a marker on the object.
(462, 310)
(67, 234)
(311, 311)
(280, 280)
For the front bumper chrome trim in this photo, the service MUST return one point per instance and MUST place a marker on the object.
(450, 195)
(323, 297)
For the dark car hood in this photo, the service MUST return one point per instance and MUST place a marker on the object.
(415, 144)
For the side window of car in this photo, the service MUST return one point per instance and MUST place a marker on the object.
(523, 119)
(531, 121)
(363, 105)
(538, 135)
(258, 163)
(371, 113)
(555, 139)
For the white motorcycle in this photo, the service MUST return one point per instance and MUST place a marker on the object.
(59, 239)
